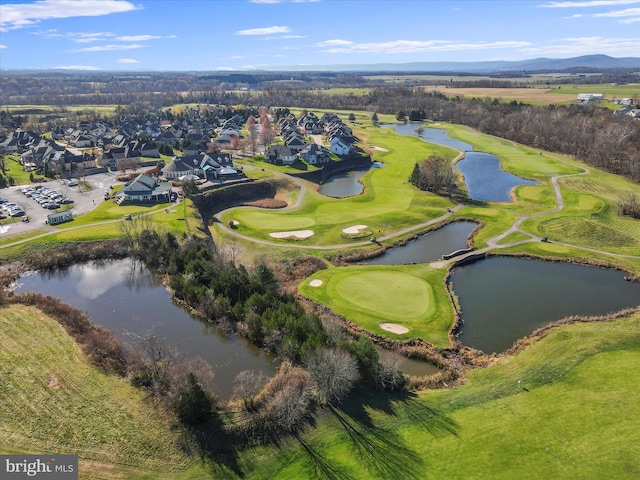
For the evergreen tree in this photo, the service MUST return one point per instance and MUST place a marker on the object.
(193, 405)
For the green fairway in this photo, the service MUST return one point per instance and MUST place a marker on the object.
(574, 418)
(388, 204)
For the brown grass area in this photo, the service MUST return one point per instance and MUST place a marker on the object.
(268, 203)
(534, 95)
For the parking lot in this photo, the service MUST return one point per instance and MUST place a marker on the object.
(83, 201)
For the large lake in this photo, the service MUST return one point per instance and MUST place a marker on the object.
(503, 299)
(129, 300)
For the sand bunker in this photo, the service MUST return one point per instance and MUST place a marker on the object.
(354, 229)
(316, 282)
(380, 149)
(394, 328)
(294, 235)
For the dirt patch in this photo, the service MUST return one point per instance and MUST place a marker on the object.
(316, 282)
(293, 235)
(54, 383)
(393, 328)
(379, 149)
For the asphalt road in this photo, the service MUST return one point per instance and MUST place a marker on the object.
(84, 201)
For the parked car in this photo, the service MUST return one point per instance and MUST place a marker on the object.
(72, 183)
(53, 206)
(17, 213)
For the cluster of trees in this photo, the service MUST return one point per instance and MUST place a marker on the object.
(413, 116)
(320, 364)
(434, 174)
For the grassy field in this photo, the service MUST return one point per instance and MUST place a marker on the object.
(52, 401)
(576, 419)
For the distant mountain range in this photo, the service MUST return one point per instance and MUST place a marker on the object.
(586, 62)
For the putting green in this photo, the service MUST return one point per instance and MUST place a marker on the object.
(392, 295)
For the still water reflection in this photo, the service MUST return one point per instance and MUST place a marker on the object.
(129, 299)
(506, 298)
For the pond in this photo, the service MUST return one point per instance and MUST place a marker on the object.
(409, 366)
(431, 135)
(129, 300)
(428, 247)
(346, 183)
(503, 299)
(485, 180)
(343, 184)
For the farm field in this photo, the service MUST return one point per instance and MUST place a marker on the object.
(543, 95)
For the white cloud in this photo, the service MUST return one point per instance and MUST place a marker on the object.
(24, 14)
(331, 43)
(78, 37)
(138, 38)
(630, 20)
(108, 48)
(292, 36)
(629, 12)
(588, 3)
(76, 67)
(617, 47)
(2, 46)
(127, 60)
(264, 31)
(413, 46)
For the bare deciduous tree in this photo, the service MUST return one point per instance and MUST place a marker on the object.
(387, 373)
(333, 374)
(247, 385)
(435, 174)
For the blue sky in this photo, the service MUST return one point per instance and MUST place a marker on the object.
(254, 34)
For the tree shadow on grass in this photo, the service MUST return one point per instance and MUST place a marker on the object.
(323, 467)
(394, 403)
(382, 451)
(217, 449)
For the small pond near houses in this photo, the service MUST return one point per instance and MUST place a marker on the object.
(343, 184)
(503, 299)
(346, 183)
(128, 299)
(428, 247)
